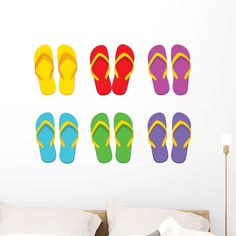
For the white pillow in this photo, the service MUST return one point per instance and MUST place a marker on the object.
(170, 227)
(23, 234)
(126, 220)
(60, 221)
(4, 205)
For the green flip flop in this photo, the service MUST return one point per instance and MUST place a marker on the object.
(124, 135)
(100, 134)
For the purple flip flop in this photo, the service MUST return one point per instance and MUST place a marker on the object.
(157, 134)
(157, 67)
(181, 135)
(181, 67)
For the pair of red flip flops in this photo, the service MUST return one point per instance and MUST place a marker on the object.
(100, 68)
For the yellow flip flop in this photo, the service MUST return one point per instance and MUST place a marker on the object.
(67, 66)
(43, 61)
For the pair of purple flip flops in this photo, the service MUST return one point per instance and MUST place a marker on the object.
(181, 66)
(181, 135)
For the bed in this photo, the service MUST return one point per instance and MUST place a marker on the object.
(103, 228)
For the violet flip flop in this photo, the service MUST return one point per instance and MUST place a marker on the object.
(157, 68)
(181, 136)
(181, 67)
(157, 135)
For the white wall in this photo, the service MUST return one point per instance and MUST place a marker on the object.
(208, 30)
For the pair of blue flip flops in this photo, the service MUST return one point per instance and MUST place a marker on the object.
(45, 134)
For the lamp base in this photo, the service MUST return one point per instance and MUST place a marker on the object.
(226, 149)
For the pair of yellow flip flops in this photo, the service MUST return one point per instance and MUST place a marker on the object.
(44, 67)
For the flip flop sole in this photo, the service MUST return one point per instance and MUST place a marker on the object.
(45, 135)
(157, 135)
(68, 135)
(123, 135)
(123, 67)
(157, 68)
(100, 136)
(181, 66)
(100, 68)
(43, 60)
(67, 66)
(179, 153)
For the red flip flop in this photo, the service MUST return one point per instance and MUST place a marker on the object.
(123, 69)
(99, 65)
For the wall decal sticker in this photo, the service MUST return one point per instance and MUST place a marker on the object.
(100, 134)
(157, 135)
(43, 60)
(45, 135)
(68, 137)
(124, 64)
(181, 136)
(67, 66)
(157, 67)
(181, 67)
(99, 65)
(124, 135)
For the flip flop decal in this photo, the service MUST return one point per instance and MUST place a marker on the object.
(181, 67)
(157, 135)
(68, 137)
(99, 65)
(43, 61)
(67, 66)
(123, 69)
(157, 67)
(124, 135)
(45, 135)
(100, 135)
(181, 136)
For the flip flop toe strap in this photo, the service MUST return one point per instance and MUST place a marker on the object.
(104, 57)
(43, 124)
(154, 124)
(118, 126)
(176, 126)
(157, 55)
(63, 58)
(65, 125)
(121, 56)
(94, 129)
(47, 58)
(176, 57)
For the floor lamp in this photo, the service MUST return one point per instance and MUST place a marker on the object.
(226, 141)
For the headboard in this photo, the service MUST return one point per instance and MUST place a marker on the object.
(103, 228)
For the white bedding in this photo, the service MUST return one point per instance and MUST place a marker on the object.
(47, 221)
(124, 220)
(170, 227)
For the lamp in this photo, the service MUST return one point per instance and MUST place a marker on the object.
(226, 141)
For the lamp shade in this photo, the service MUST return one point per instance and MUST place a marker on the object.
(226, 139)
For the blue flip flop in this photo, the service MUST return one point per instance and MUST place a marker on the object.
(45, 135)
(68, 137)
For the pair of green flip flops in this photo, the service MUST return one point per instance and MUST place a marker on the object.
(100, 133)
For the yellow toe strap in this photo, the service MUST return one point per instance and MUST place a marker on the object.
(118, 126)
(154, 124)
(104, 57)
(47, 58)
(49, 124)
(64, 125)
(63, 58)
(157, 55)
(176, 57)
(96, 126)
(176, 126)
(124, 55)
